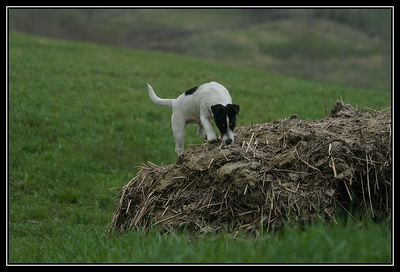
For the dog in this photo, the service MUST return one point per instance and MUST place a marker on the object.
(199, 105)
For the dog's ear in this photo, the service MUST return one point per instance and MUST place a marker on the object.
(233, 107)
(216, 109)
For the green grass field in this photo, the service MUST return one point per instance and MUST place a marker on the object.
(80, 123)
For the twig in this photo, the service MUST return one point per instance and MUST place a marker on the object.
(166, 208)
(270, 211)
(348, 191)
(129, 204)
(368, 187)
(209, 165)
(166, 218)
(362, 189)
(251, 139)
(333, 162)
(226, 158)
(310, 165)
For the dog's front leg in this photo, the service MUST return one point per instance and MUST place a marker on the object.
(209, 130)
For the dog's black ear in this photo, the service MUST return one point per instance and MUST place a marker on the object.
(216, 108)
(234, 107)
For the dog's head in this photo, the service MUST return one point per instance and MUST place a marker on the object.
(225, 120)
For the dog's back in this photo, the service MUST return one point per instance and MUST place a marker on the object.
(207, 94)
(210, 94)
(199, 100)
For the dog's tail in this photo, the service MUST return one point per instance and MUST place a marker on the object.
(167, 102)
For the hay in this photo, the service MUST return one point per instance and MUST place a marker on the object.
(288, 171)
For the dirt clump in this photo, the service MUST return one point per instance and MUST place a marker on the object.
(287, 171)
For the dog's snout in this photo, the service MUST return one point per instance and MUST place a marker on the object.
(228, 141)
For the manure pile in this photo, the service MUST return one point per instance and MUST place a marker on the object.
(287, 171)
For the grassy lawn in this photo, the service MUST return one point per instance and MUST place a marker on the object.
(80, 122)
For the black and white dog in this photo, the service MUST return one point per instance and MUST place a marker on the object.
(199, 105)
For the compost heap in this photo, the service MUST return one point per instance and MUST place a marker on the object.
(287, 171)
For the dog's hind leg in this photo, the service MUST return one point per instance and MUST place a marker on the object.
(179, 130)
(179, 136)
(201, 132)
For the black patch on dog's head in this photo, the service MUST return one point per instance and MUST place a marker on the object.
(220, 112)
(191, 91)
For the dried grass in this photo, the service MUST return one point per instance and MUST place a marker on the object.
(288, 171)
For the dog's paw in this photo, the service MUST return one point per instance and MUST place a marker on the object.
(212, 141)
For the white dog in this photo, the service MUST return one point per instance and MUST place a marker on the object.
(199, 105)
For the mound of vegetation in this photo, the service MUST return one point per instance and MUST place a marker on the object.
(287, 171)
